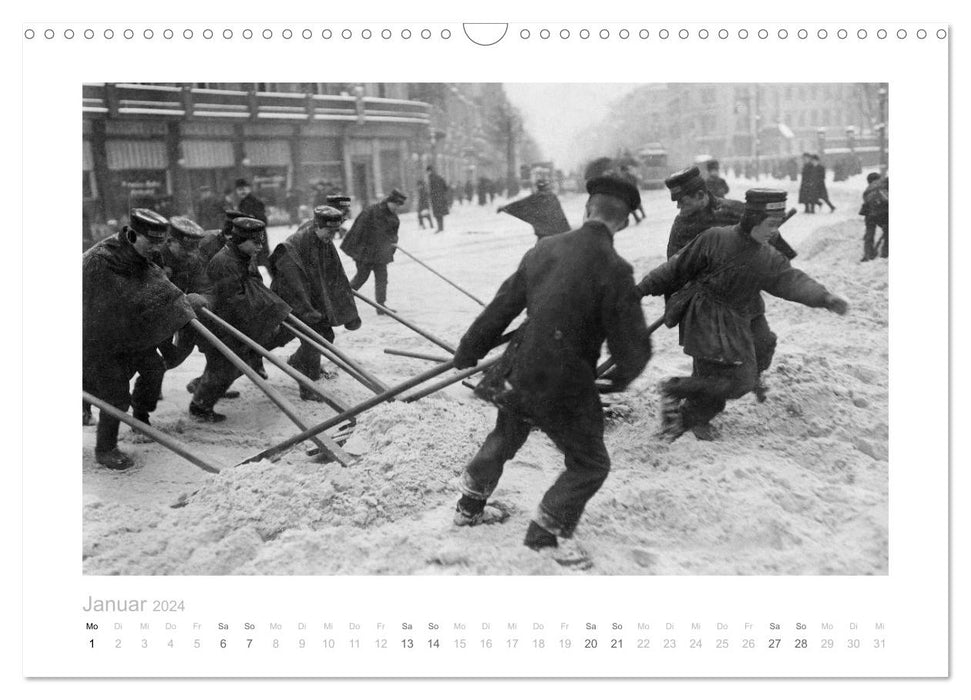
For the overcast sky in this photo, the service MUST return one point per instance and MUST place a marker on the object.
(555, 113)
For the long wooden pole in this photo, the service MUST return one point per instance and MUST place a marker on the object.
(330, 356)
(438, 386)
(276, 450)
(154, 433)
(416, 355)
(308, 434)
(327, 445)
(342, 356)
(424, 334)
(301, 379)
(440, 275)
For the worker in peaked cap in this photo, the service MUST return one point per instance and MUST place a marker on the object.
(684, 182)
(185, 229)
(309, 276)
(129, 307)
(615, 187)
(729, 266)
(213, 241)
(327, 218)
(240, 298)
(247, 229)
(340, 202)
(343, 204)
(146, 231)
(371, 243)
(771, 201)
(577, 292)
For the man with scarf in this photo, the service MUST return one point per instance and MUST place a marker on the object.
(308, 275)
(129, 308)
(541, 210)
(714, 283)
(371, 243)
(241, 299)
(577, 292)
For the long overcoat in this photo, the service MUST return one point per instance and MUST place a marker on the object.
(577, 292)
(309, 276)
(373, 236)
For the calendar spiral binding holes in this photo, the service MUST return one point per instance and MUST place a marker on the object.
(522, 32)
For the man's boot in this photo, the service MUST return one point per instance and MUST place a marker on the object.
(672, 420)
(706, 432)
(539, 538)
(114, 459)
(205, 415)
(194, 384)
(470, 512)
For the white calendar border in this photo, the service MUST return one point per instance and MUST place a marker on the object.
(918, 540)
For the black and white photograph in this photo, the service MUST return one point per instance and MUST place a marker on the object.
(581, 329)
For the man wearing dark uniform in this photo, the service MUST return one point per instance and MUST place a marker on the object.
(252, 206)
(715, 282)
(183, 265)
(577, 292)
(308, 275)
(241, 299)
(341, 203)
(371, 243)
(698, 211)
(876, 212)
(129, 308)
(213, 241)
(716, 184)
(542, 210)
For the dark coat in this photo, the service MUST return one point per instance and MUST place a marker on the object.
(577, 292)
(438, 191)
(187, 270)
(716, 324)
(717, 187)
(211, 244)
(808, 193)
(373, 236)
(241, 299)
(876, 202)
(542, 211)
(309, 276)
(128, 305)
(254, 208)
(719, 212)
(819, 181)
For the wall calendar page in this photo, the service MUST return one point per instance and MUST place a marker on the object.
(471, 355)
